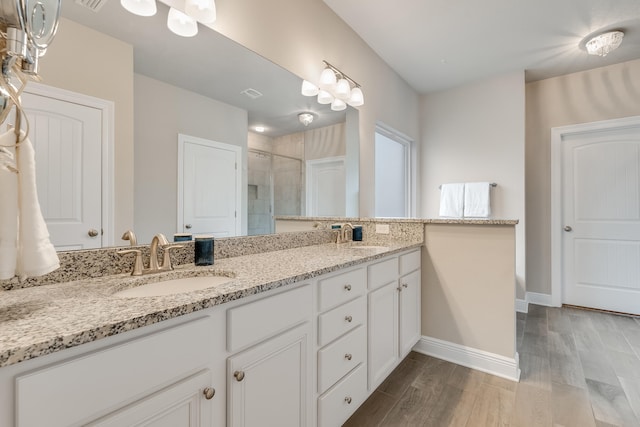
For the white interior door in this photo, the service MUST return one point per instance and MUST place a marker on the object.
(326, 187)
(209, 192)
(67, 139)
(601, 219)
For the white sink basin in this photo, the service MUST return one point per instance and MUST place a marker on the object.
(174, 286)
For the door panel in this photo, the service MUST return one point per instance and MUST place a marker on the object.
(326, 187)
(67, 139)
(601, 213)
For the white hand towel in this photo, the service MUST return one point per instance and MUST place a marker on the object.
(8, 212)
(451, 200)
(36, 254)
(477, 202)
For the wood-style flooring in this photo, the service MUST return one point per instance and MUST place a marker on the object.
(579, 368)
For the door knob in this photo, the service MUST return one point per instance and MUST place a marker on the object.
(568, 228)
(348, 319)
(93, 232)
(187, 226)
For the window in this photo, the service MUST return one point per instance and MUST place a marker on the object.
(393, 174)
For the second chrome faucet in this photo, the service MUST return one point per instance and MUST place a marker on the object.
(159, 240)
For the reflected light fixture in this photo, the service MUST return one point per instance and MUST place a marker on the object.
(181, 23)
(259, 129)
(335, 88)
(140, 7)
(603, 44)
(201, 10)
(305, 118)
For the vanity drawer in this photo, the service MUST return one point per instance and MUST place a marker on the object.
(341, 288)
(410, 262)
(338, 404)
(382, 272)
(254, 322)
(341, 356)
(341, 319)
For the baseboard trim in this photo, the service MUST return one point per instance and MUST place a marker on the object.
(473, 358)
(522, 306)
(539, 299)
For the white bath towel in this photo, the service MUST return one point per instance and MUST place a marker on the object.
(24, 237)
(8, 211)
(477, 199)
(451, 200)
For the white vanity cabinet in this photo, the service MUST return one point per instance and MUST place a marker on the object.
(393, 312)
(269, 383)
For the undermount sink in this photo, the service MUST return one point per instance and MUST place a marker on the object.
(173, 286)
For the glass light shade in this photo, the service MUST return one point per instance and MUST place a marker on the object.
(324, 97)
(309, 89)
(357, 97)
(338, 105)
(604, 43)
(327, 78)
(305, 118)
(140, 7)
(181, 24)
(201, 10)
(343, 89)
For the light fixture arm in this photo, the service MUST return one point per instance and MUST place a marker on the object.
(343, 75)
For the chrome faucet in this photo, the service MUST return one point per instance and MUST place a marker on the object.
(159, 240)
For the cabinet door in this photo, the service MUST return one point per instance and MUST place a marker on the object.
(180, 405)
(409, 312)
(383, 332)
(269, 383)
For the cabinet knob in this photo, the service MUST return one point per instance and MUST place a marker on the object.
(399, 288)
(568, 228)
(188, 226)
(93, 232)
(348, 319)
(348, 400)
(209, 393)
(239, 375)
(347, 287)
(404, 285)
(348, 356)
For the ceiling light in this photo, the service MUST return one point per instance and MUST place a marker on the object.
(602, 44)
(309, 89)
(201, 10)
(181, 24)
(259, 129)
(140, 7)
(305, 118)
(334, 85)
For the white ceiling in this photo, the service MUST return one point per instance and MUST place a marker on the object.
(439, 44)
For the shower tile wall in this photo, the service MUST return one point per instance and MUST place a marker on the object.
(259, 194)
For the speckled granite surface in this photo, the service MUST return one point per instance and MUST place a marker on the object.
(41, 320)
(392, 221)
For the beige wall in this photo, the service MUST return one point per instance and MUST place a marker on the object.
(600, 94)
(476, 133)
(468, 297)
(298, 35)
(162, 112)
(85, 61)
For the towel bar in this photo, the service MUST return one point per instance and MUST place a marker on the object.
(493, 184)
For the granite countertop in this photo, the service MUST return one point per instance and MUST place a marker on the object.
(44, 319)
(355, 220)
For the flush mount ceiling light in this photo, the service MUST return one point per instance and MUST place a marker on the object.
(603, 44)
(181, 24)
(335, 88)
(140, 7)
(305, 118)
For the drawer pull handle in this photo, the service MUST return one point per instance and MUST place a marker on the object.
(348, 356)
(404, 285)
(347, 287)
(348, 319)
(239, 375)
(348, 400)
(209, 393)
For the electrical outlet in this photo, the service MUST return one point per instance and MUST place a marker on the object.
(382, 228)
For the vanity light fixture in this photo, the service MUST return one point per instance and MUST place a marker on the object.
(140, 7)
(335, 88)
(181, 23)
(305, 118)
(603, 44)
(202, 10)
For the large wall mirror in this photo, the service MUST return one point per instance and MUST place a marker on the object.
(189, 92)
